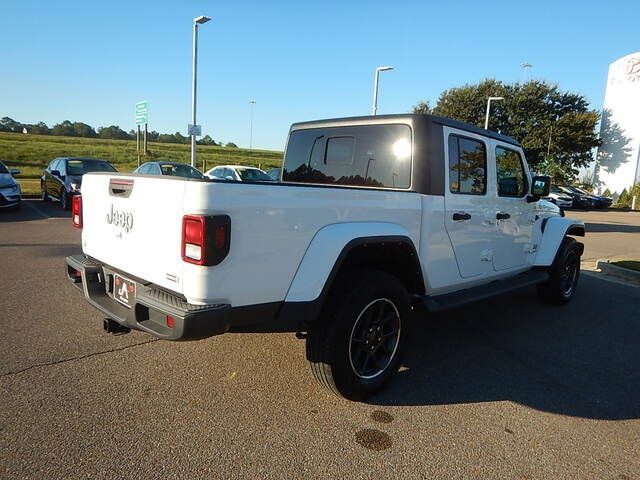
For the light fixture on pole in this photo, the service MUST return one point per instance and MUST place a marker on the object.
(252, 103)
(374, 109)
(196, 21)
(525, 70)
(486, 118)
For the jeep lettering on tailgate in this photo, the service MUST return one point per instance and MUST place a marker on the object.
(120, 218)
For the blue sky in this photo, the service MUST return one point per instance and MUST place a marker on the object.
(91, 61)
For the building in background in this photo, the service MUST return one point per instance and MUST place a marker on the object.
(618, 159)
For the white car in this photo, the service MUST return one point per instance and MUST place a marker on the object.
(238, 173)
(378, 221)
(559, 197)
(10, 192)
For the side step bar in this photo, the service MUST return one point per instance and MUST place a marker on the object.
(446, 301)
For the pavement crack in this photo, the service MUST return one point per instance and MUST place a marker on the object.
(80, 357)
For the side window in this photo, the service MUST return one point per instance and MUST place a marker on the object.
(362, 155)
(512, 181)
(52, 164)
(467, 165)
(62, 167)
(144, 169)
(57, 165)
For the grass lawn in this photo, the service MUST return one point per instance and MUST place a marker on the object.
(30, 186)
(32, 153)
(630, 264)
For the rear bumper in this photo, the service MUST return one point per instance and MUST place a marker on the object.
(152, 305)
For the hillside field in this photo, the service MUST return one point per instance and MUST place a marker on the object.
(32, 153)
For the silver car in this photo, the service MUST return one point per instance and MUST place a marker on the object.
(238, 173)
(10, 192)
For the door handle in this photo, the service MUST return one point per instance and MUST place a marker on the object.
(502, 216)
(461, 216)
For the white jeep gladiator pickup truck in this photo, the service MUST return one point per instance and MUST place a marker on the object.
(376, 221)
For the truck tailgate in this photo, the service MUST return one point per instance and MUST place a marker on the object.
(134, 224)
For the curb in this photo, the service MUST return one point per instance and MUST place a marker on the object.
(605, 267)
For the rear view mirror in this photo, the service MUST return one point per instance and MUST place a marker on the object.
(540, 185)
(15, 171)
(55, 173)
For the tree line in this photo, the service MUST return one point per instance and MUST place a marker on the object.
(112, 132)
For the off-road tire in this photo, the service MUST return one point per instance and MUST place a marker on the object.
(565, 273)
(332, 338)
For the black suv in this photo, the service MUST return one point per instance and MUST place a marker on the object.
(63, 176)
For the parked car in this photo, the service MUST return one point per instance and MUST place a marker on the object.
(599, 201)
(62, 178)
(238, 173)
(10, 192)
(275, 173)
(172, 169)
(557, 196)
(580, 200)
(395, 231)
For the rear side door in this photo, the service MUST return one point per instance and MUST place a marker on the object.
(513, 215)
(468, 206)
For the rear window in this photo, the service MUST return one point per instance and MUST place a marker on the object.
(363, 156)
(80, 167)
(180, 170)
(253, 175)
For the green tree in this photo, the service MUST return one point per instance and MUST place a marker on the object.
(537, 114)
(207, 140)
(606, 193)
(422, 107)
(83, 130)
(9, 125)
(231, 145)
(64, 129)
(39, 128)
(113, 132)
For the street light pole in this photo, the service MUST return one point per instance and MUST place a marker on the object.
(374, 109)
(486, 118)
(196, 21)
(252, 103)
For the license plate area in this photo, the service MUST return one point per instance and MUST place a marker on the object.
(124, 290)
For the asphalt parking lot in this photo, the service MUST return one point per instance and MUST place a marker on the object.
(507, 388)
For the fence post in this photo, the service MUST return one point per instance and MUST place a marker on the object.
(634, 202)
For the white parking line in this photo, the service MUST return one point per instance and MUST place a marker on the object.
(35, 209)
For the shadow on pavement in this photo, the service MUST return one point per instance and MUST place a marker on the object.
(47, 250)
(612, 227)
(33, 210)
(579, 360)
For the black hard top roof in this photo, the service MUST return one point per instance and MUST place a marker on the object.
(449, 122)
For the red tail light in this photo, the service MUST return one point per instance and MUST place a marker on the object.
(76, 211)
(205, 239)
